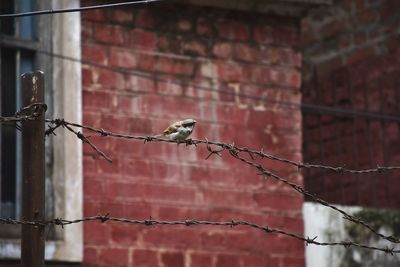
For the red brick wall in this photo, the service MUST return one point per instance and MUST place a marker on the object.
(205, 47)
(352, 62)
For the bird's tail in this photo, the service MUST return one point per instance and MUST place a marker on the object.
(159, 135)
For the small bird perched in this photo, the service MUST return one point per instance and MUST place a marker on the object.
(180, 130)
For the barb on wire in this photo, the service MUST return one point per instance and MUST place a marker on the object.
(30, 112)
(233, 223)
(60, 122)
(234, 151)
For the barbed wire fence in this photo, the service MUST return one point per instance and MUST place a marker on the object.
(248, 156)
(244, 154)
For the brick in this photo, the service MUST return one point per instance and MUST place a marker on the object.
(232, 30)
(222, 198)
(360, 54)
(242, 241)
(184, 25)
(139, 169)
(90, 255)
(222, 50)
(145, 18)
(142, 39)
(123, 58)
(228, 260)
(238, 177)
(280, 56)
(96, 100)
(333, 27)
(264, 34)
(140, 84)
(114, 122)
(91, 207)
(145, 258)
(204, 27)
(230, 72)
(138, 125)
(169, 43)
(274, 76)
(194, 48)
(293, 262)
(114, 256)
(95, 53)
(271, 200)
(124, 234)
(89, 165)
(109, 34)
(138, 210)
(96, 233)
(172, 259)
(267, 34)
(86, 31)
(368, 16)
(175, 66)
(87, 77)
(200, 260)
(169, 88)
(94, 15)
(104, 165)
(186, 239)
(146, 61)
(109, 79)
(245, 52)
(251, 261)
(94, 189)
(123, 16)
(198, 88)
(151, 192)
(113, 207)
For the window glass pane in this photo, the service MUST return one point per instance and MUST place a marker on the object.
(26, 24)
(7, 24)
(8, 134)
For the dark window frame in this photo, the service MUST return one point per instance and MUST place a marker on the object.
(37, 40)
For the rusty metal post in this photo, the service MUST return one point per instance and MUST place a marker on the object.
(33, 176)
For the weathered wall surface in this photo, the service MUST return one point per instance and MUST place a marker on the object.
(236, 63)
(351, 62)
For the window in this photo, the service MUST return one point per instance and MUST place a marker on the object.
(14, 61)
(26, 44)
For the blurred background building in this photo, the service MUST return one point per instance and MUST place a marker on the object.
(308, 80)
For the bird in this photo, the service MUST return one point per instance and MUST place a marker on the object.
(179, 131)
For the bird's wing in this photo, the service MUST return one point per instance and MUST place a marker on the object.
(173, 128)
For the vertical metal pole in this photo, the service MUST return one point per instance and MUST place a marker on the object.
(33, 177)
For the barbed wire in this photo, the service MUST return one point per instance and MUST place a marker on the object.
(262, 171)
(233, 223)
(251, 152)
(30, 112)
(219, 147)
(69, 10)
(235, 152)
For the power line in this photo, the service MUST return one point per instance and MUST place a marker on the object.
(68, 10)
(287, 104)
(350, 113)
